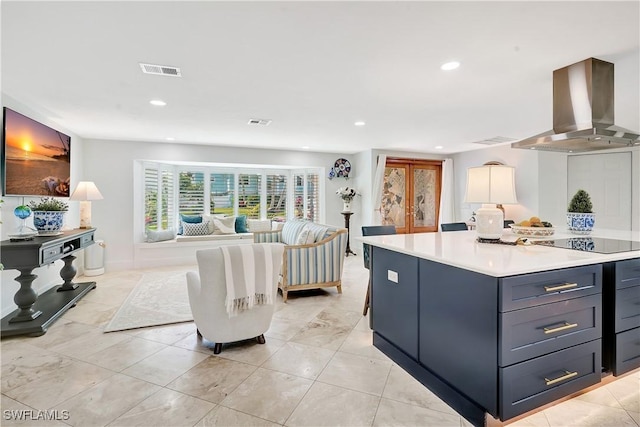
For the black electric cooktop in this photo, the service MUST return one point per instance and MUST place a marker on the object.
(595, 244)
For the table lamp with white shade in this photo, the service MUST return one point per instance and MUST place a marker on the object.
(490, 185)
(85, 192)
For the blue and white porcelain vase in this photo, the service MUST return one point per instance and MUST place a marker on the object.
(580, 223)
(48, 221)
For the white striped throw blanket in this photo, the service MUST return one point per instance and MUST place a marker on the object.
(251, 273)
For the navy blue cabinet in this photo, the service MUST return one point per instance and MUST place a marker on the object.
(394, 300)
(487, 345)
(622, 316)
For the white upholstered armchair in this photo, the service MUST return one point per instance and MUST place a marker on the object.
(207, 295)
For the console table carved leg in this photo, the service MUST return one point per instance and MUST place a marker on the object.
(25, 297)
(68, 272)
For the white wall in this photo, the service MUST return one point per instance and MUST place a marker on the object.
(526, 164)
(48, 276)
(110, 165)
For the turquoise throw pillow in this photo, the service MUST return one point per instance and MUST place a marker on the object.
(241, 224)
(191, 219)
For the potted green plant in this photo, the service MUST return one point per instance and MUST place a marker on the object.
(580, 216)
(48, 214)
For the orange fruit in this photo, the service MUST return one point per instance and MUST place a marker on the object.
(534, 219)
(525, 223)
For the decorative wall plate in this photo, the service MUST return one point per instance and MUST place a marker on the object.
(342, 167)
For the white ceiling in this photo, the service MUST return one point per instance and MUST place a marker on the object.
(313, 68)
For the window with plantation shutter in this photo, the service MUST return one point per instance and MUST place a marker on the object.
(191, 193)
(222, 193)
(313, 197)
(249, 195)
(276, 196)
(306, 195)
(159, 211)
(259, 193)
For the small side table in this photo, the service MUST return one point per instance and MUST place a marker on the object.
(347, 217)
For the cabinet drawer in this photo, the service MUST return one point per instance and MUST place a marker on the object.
(528, 385)
(50, 253)
(627, 308)
(535, 331)
(86, 240)
(394, 298)
(627, 351)
(627, 273)
(545, 287)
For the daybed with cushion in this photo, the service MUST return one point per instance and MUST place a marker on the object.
(313, 255)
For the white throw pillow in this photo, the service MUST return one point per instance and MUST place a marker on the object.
(305, 237)
(255, 225)
(225, 225)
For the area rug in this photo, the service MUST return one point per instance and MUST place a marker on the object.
(160, 298)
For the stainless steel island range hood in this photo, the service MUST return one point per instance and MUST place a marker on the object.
(583, 112)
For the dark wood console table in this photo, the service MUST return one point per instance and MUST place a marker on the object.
(37, 312)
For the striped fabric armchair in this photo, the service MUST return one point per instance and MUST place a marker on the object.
(313, 255)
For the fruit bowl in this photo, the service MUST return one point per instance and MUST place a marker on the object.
(532, 231)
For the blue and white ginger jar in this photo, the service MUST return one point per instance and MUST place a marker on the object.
(580, 223)
(48, 221)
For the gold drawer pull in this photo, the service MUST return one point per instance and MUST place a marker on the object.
(560, 328)
(566, 376)
(560, 287)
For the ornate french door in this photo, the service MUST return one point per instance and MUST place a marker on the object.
(411, 194)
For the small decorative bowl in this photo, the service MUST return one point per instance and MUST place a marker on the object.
(532, 231)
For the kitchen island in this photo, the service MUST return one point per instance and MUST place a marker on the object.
(498, 330)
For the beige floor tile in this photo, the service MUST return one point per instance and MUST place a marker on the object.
(328, 330)
(600, 396)
(212, 379)
(113, 295)
(268, 394)
(328, 405)
(59, 385)
(107, 400)
(88, 343)
(250, 351)
(538, 419)
(62, 332)
(404, 388)
(635, 416)
(363, 324)
(626, 390)
(284, 329)
(166, 408)
(124, 354)
(392, 413)
(194, 343)
(361, 343)
(168, 334)
(28, 367)
(221, 416)
(579, 413)
(91, 313)
(300, 360)
(356, 373)
(165, 366)
(17, 414)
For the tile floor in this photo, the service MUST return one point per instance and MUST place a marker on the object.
(318, 368)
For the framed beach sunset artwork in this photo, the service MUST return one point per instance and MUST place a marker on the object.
(36, 159)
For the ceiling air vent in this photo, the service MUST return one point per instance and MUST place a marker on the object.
(260, 122)
(495, 140)
(161, 70)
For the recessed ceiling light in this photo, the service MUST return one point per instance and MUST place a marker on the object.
(359, 123)
(305, 147)
(438, 147)
(157, 102)
(170, 138)
(450, 66)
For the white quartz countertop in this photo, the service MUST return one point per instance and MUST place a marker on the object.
(460, 249)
